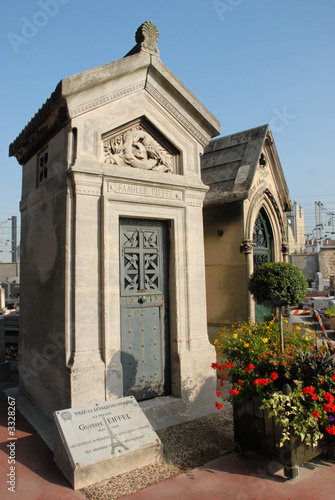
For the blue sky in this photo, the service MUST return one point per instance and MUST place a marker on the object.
(250, 62)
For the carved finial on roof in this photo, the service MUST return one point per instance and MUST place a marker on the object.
(146, 38)
(147, 35)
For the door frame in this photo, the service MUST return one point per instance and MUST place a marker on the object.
(136, 300)
(179, 322)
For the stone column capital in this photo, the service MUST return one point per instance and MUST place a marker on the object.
(285, 248)
(247, 246)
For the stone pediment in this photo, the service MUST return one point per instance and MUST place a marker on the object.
(139, 144)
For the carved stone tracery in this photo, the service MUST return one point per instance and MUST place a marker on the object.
(136, 148)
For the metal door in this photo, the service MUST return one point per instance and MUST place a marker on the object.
(145, 343)
(262, 254)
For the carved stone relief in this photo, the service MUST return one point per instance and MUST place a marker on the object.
(137, 148)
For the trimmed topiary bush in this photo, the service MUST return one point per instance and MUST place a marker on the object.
(277, 284)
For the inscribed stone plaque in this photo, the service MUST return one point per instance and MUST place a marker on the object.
(145, 190)
(104, 439)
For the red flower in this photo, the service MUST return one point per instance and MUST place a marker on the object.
(330, 408)
(240, 382)
(221, 381)
(316, 414)
(333, 376)
(309, 390)
(261, 381)
(250, 367)
(314, 397)
(329, 397)
(222, 367)
(218, 393)
(331, 430)
(218, 405)
(234, 392)
(274, 375)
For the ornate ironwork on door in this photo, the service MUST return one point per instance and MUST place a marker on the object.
(262, 241)
(144, 308)
(141, 267)
(261, 254)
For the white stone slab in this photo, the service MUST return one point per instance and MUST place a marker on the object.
(101, 440)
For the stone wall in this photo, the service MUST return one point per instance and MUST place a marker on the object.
(308, 263)
(226, 280)
(327, 261)
(9, 270)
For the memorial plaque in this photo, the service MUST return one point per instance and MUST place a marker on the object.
(104, 439)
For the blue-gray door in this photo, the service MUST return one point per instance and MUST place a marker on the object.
(145, 345)
(262, 254)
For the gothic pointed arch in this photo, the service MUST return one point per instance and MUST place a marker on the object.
(265, 202)
(264, 216)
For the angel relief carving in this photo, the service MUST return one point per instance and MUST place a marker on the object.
(137, 148)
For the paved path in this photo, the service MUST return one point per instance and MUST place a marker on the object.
(253, 478)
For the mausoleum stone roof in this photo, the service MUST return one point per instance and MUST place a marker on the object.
(156, 79)
(229, 164)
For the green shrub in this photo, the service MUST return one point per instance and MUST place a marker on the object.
(330, 312)
(276, 284)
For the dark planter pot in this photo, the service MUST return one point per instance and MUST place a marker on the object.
(255, 431)
(329, 323)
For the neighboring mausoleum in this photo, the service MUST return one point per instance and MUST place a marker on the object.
(243, 220)
(113, 299)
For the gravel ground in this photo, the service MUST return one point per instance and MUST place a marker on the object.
(185, 447)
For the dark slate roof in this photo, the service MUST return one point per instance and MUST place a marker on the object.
(229, 163)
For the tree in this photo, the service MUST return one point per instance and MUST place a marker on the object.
(278, 284)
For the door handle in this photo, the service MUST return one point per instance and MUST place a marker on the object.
(142, 299)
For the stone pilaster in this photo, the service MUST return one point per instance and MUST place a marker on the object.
(247, 248)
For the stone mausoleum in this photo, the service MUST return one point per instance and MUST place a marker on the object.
(244, 221)
(113, 299)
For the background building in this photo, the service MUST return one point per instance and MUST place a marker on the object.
(296, 229)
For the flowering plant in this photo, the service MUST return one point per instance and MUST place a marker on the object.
(297, 387)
